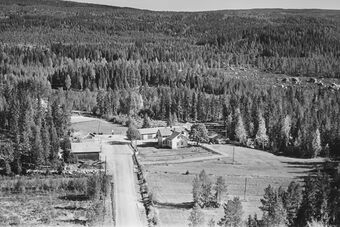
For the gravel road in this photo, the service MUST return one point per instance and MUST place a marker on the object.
(120, 165)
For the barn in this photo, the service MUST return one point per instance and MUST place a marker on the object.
(86, 150)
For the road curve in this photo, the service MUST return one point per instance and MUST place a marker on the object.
(120, 165)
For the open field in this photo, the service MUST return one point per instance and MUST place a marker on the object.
(153, 155)
(172, 188)
(83, 125)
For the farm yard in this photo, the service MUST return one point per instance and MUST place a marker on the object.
(171, 184)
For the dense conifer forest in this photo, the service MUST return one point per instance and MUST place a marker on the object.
(205, 66)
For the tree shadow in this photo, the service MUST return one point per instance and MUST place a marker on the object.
(184, 205)
(77, 197)
(148, 144)
(119, 142)
(310, 168)
(69, 208)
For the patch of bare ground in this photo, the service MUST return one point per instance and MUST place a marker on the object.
(54, 200)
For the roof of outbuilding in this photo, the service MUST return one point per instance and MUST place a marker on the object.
(144, 131)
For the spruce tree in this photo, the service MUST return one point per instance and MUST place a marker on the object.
(46, 142)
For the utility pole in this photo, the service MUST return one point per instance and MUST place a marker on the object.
(245, 189)
(233, 155)
(98, 127)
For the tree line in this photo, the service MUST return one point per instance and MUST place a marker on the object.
(34, 126)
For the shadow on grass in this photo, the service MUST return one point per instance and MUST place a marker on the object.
(309, 168)
(70, 208)
(81, 197)
(119, 142)
(148, 144)
(185, 205)
(77, 221)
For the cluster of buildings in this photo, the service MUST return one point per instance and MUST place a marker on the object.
(173, 137)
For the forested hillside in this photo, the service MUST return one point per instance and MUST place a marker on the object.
(204, 66)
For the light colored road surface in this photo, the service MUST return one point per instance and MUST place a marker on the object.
(120, 165)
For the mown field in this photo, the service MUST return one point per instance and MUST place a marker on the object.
(152, 154)
(84, 125)
(172, 186)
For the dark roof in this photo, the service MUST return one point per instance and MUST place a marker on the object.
(165, 131)
(174, 135)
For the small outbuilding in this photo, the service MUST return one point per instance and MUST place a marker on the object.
(148, 133)
(86, 150)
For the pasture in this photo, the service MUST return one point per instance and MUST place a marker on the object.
(171, 184)
(153, 155)
(84, 125)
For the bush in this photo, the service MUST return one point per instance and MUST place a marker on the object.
(19, 186)
(94, 187)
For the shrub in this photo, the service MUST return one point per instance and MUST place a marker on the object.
(19, 186)
(94, 187)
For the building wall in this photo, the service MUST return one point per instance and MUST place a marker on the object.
(177, 142)
(87, 156)
(148, 136)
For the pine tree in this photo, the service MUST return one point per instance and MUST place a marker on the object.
(54, 145)
(46, 144)
(199, 133)
(274, 213)
(66, 148)
(37, 148)
(146, 121)
(292, 201)
(232, 213)
(132, 133)
(261, 135)
(68, 82)
(220, 189)
(196, 217)
(285, 131)
(316, 143)
(240, 131)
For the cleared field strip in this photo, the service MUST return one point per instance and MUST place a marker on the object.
(197, 159)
